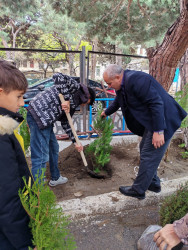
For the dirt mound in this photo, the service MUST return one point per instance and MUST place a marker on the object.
(124, 162)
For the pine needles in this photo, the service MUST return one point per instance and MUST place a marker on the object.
(48, 224)
(100, 149)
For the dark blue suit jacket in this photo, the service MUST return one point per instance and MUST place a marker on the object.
(146, 105)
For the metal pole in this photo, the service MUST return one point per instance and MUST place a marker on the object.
(83, 79)
(88, 68)
(90, 107)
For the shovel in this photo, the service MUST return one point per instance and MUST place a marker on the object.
(90, 172)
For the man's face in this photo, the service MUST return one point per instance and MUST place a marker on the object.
(114, 82)
(12, 100)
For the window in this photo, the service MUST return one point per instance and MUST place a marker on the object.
(32, 64)
(98, 71)
(25, 63)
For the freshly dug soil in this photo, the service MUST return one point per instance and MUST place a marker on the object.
(122, 168)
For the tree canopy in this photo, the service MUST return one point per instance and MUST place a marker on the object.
(123, 21)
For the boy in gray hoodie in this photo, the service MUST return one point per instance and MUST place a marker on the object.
(43, 111)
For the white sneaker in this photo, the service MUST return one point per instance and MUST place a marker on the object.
(61, 180)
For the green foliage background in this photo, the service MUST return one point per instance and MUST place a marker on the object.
(24, 129)
(175, 206)
(182, 98)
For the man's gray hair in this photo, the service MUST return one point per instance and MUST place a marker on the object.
(112, 70)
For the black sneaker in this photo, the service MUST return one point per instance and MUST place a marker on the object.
(156, 189)
(128, 191)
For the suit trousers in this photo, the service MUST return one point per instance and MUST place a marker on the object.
(6, 245)
(150, 158)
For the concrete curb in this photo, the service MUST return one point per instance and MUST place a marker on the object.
(115, 202)
(127, 139)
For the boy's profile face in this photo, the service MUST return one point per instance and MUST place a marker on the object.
(12, 100)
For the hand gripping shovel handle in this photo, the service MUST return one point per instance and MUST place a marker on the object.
(74, 132)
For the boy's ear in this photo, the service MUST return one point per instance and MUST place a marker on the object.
(1, 90)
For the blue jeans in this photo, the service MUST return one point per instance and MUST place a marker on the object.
(44, 148)
(150, 158)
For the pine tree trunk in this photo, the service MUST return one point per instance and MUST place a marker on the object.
(71, 64)
(184, 69)
(118, 58)
(164, 60)
(94, 59)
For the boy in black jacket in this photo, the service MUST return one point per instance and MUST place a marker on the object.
(14, 230)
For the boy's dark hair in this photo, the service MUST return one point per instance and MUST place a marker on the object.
(92, 95)
(11, 78)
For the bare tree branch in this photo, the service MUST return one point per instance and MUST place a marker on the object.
(116, 9)
(60, 39)
(1, 28)
(78, 45)
(128, 14)
(141, 8)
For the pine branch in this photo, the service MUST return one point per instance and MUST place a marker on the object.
(115, 9)
(144, 12)
(47, 222)
(95, 130)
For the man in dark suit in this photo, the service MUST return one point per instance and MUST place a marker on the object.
(150, 112)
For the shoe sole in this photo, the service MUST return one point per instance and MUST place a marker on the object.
(154, 191)
(54, 185)
(140, 198)
(157, 190)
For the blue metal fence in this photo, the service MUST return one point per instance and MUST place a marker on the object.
(120, 131)
(120, 125)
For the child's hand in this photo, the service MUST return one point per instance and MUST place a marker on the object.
(66, 106)
(79, 148)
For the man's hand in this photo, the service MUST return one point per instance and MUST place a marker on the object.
(66, 106)
(79, 148)
(166, 236)
(158, 140)
(103, 115)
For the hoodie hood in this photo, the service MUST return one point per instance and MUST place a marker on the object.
(9, 121)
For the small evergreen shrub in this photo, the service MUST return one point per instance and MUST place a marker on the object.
(48, 224)
(24, 129)
(175, 206)
(99, 150)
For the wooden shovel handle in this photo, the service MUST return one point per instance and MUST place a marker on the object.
(74, 131)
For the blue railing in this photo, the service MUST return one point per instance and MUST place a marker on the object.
(107, 100)
(121, 131)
